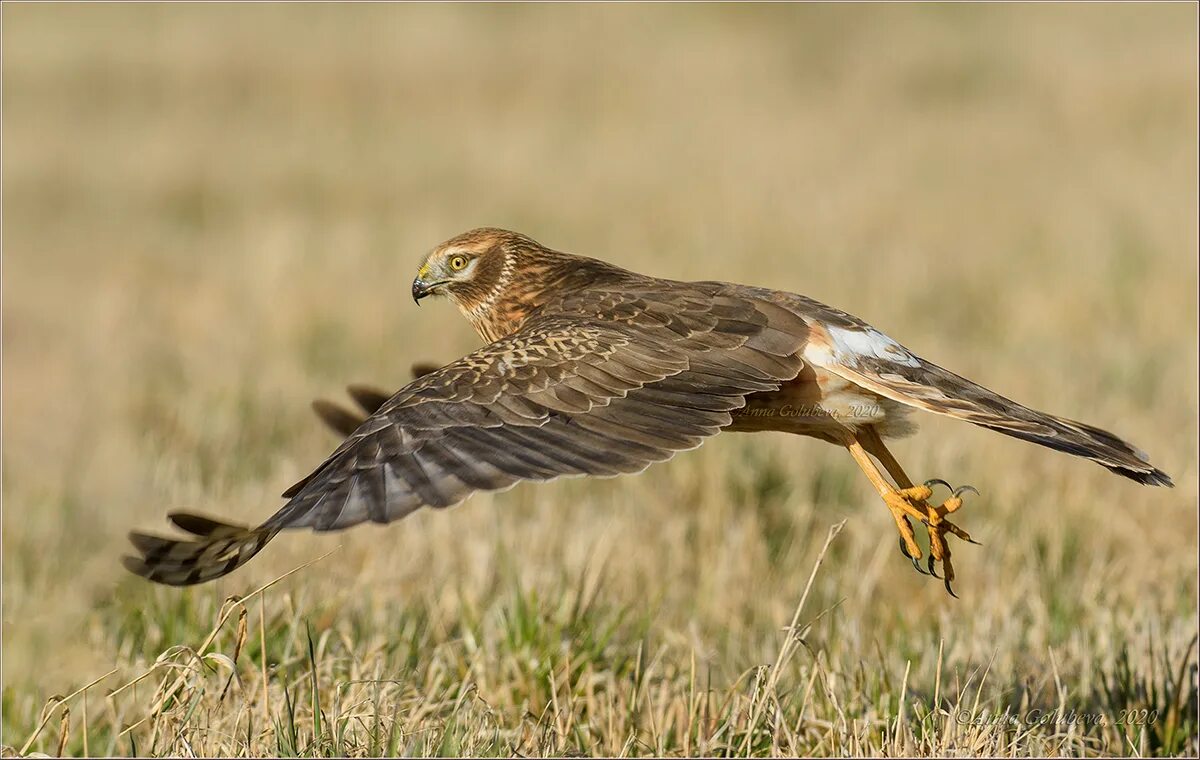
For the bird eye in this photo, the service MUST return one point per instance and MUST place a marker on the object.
(458, 262)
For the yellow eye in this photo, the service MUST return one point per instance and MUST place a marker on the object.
(458, 262)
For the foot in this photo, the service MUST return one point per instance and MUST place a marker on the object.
(914, 502)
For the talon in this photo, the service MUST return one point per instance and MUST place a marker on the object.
(957, 532)
(908, 502)
(904, 550)
(913, 502)
(910, 557)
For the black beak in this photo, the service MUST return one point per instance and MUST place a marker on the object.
(420, 289)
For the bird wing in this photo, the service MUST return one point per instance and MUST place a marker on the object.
(605, 383)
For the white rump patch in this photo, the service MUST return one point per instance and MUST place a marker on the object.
(870, 342)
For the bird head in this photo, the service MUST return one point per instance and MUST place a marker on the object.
(498, 278)
(470, 269)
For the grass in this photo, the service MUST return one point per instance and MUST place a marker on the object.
(211, 215)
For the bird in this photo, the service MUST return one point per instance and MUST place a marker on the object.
(590, 369)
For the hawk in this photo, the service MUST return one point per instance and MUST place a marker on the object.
(591, 369)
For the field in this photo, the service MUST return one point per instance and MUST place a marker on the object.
(212, 215)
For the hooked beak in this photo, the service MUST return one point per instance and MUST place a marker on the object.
(420, 289)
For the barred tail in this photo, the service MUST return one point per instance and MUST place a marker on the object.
(220, 550)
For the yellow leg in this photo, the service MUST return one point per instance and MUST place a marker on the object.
(915, 503)
(900, 503)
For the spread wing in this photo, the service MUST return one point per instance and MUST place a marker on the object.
(852, 349)
(633, 379)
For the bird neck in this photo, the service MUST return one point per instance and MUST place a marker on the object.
(531, 282)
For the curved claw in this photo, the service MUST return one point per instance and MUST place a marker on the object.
(949, 590)
(937, 482)
(929, 564)
(904, 551)
(973, 541)
(963, 489)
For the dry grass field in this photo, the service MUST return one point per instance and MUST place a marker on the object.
(212, 215)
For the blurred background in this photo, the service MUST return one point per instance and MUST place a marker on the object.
(212, 214)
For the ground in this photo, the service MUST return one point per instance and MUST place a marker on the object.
(212, 215)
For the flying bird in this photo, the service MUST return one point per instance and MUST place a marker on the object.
(591, 369)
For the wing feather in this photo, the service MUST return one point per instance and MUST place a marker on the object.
(603, 383)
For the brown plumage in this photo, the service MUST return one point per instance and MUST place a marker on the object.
(591, 369)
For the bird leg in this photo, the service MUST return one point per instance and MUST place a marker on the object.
(903, 503)
(906, 499)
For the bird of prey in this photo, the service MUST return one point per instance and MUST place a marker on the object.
(591, 369)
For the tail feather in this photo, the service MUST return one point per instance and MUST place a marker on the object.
(927, 386)
(1100, 446)
(220, 549)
